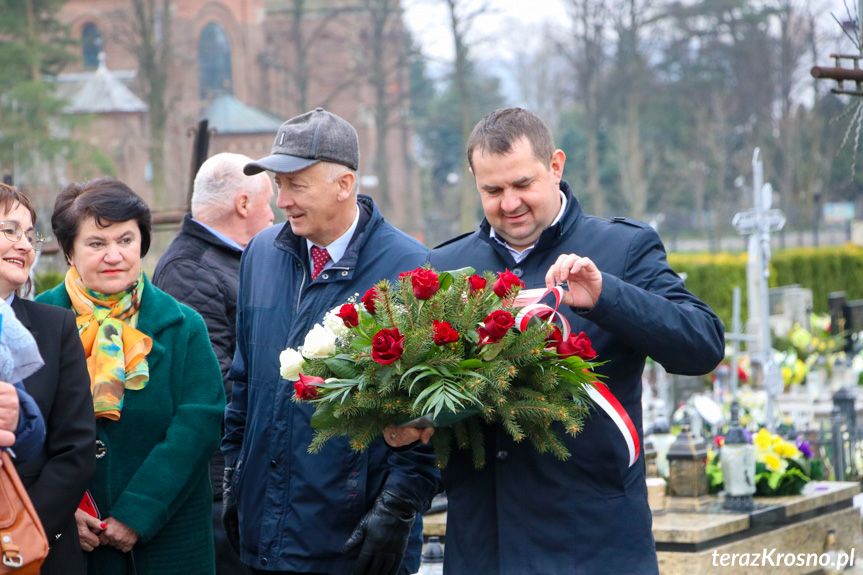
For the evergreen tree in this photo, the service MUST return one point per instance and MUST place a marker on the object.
(32, 51)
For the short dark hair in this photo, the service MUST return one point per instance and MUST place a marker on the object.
(107, 200)
(11, 198)
(498, 131)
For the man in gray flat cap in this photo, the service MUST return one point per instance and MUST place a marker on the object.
(338, 511)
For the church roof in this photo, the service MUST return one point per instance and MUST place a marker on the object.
(100, 92)
(231, 116)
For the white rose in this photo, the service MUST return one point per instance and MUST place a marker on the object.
(320, 342)
(291, 364)
(335, 323)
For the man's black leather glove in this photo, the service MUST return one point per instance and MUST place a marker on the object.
(230, 515)
(383, 532)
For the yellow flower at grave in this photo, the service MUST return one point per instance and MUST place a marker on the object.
(774, 463)
(800, 371)
(786, 449)
(763, 439)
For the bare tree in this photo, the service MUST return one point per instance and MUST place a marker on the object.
(384, 18)
(792, 47)
(630, 18)
(588, 21)
(146, 33)
(310, 25)
(461, 19)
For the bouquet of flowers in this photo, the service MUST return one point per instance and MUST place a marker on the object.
(448, 349)
(782, 467)
(816, 347)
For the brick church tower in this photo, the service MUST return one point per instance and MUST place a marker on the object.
(239, 64)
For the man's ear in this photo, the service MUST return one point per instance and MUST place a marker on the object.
(558, 159)
(241, 204)
(346, 185)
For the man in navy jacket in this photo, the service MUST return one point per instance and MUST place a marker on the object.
(293, 512)
(526, 512)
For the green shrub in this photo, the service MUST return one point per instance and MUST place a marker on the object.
(48, 280)
(712, 277)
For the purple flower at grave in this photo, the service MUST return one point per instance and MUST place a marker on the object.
(748, 435)
(804, 448)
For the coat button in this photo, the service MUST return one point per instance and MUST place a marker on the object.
(325, 276)
(263, 560)
(272, 463)
(101, 449)
(344, 273)
(517, 272)
(352, 483)
(501, 455)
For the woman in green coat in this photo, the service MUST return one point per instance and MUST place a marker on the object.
(157, 391)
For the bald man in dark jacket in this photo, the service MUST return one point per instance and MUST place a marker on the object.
(201, 269)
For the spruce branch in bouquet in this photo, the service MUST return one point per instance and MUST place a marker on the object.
(442, 350)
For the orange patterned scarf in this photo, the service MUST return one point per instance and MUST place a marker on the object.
(116, 351)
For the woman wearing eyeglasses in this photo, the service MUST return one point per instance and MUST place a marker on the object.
(57, 477)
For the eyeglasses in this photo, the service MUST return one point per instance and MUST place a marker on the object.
(13, 233)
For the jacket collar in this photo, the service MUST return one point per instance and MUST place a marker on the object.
(158, 311)
(21, 313)
(370, 218)
(551, 235)
(195, 230)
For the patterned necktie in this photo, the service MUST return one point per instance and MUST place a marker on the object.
(320, 257)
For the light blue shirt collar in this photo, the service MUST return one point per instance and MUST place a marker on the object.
(338, 248)
(11, 298)
(518, 256)
(219, 235)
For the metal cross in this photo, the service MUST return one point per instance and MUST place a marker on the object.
(758, 223)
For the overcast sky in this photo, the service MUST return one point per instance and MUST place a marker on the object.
(429, 21)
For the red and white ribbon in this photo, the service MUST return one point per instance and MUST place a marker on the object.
(603, 397)
(528, 301)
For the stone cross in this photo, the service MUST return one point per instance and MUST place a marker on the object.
(758, 223)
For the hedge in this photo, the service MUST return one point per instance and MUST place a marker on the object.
(712, 277)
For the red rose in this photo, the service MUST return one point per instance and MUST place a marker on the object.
(579, 345)
(349, 315)
(387, 346)
(554, 338)
(425, 283)
(444, 333)
(305, 388)
(369, 299)
(484, 337)
(477, 283)
(506, 280)
(495, 326)
(404, 275)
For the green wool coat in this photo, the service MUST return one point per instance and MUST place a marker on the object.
(154, 473)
